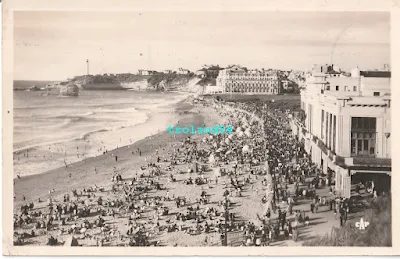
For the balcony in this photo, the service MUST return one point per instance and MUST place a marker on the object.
(362, 162)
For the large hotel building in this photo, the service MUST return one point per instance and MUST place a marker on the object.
(345, 126)
(236, 79)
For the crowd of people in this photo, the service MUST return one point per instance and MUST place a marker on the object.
(137, 211)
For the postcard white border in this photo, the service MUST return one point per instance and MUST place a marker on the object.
(9, 6)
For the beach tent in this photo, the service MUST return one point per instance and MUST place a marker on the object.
(204, 139)
(227, 141)
(217, 172)
(71, 241)
(211, 159)
(240, 134)
(239, 129)
(248, 133)
(230, 136)
(246, 149)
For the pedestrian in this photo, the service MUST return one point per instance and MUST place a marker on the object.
(295, 231)
(341, 217)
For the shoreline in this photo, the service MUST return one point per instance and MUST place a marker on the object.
(53, 155)
(83, 172)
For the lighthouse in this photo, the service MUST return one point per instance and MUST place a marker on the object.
(87, 66)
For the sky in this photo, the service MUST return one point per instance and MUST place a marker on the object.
(50, 45)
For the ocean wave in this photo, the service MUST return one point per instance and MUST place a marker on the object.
(86, 114)
(82, 136)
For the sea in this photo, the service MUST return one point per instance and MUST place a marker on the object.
(52, 131)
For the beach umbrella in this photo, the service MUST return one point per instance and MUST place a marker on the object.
(239, 129)
(246, 149)
(204, 139)
(230, 136)
(248, 134)
(210, 137)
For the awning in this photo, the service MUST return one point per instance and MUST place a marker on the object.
(352, 172)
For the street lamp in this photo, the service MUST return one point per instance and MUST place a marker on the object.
(225, 243)
(387, 135)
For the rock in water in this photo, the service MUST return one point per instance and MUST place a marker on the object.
(69, 90)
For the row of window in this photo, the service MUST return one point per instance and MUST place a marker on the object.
(250, 85)
(346, 88)
(253, 90)
(248, 74)
(363, 124)
(250, 78)
(328, 87)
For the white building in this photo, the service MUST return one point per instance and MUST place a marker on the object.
(347, 127)
(236, 79)
(146, 72)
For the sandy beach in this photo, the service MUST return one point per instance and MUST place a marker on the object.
(83, 172)
(158, 185)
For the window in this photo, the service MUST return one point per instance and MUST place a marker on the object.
(334, 134)
(328, 87)
(322, 124)
(330, 131)
(363, 136)
(326, 125)
(354, 88)
(346, 88)
(376, 93)
(337, 88)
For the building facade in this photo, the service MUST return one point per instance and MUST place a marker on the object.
(237, 79)
(347, 130)
(146, 72)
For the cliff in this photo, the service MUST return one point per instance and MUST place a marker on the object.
(156, 82)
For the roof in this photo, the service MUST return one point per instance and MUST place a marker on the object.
(385, 74)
